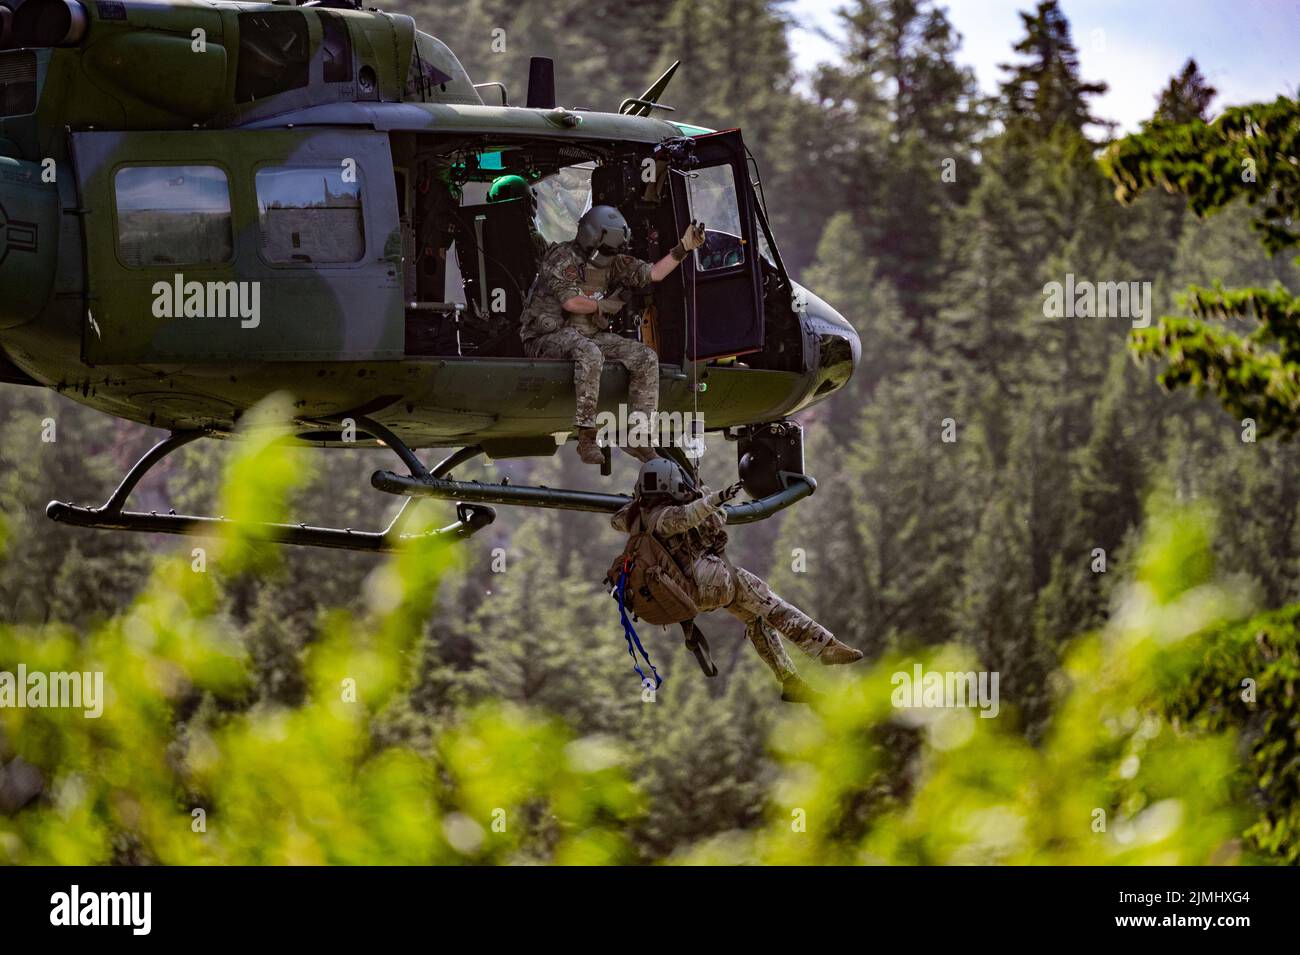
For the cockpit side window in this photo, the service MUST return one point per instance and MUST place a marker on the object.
(173, 215)
(711, 193)
(310, 214)
(274, 50)
(336, 48)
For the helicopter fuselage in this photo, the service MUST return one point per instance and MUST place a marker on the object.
(295, 204)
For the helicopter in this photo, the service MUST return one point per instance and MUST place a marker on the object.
(203, 203)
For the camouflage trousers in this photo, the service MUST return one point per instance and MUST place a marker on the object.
(588, 352)
(767, 617)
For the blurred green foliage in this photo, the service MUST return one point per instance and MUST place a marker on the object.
(1138, 764)
(1244, 677)
(278, 784)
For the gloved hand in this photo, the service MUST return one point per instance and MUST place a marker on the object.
(610, 306)
(730, 492)
(693, 237)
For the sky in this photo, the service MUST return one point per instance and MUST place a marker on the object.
(1248, 49)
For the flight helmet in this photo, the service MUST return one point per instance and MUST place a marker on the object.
(602, 233)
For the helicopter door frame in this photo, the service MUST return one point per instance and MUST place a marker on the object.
(724, 303)
(279, 308)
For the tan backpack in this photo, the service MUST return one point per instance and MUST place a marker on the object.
(656, 589)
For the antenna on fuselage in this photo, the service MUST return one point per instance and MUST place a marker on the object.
(648, 101)
(541, 83)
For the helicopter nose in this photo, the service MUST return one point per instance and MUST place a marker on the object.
(838, 347)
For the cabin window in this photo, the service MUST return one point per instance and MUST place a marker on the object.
(713, 201)
(311, 214)
(173, 215)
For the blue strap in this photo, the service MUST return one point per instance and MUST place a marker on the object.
(629, 634)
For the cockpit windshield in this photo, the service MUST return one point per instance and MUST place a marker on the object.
(564, 196)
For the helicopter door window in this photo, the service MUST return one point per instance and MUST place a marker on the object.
(310, 214)
(172, 215)
(712, 196)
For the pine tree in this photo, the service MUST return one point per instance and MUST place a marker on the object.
(702, 763)
(1187, 97)
(1009, 562)
(1248, 153)
(1045, 91)
(913, 476)
(547, 637)
(901, 148)
(845, 276)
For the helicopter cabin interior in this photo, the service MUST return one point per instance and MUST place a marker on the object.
(471, 262)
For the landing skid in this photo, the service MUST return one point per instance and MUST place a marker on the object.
(797, 487)
(472, 498)
(111, 515)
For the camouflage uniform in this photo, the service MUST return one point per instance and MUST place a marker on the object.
(550, 332)
(540, 244)
(694, 534)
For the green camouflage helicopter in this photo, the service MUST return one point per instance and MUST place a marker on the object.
(202, 203)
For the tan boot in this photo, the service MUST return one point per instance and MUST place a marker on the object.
(588, 449)
(836, 652)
